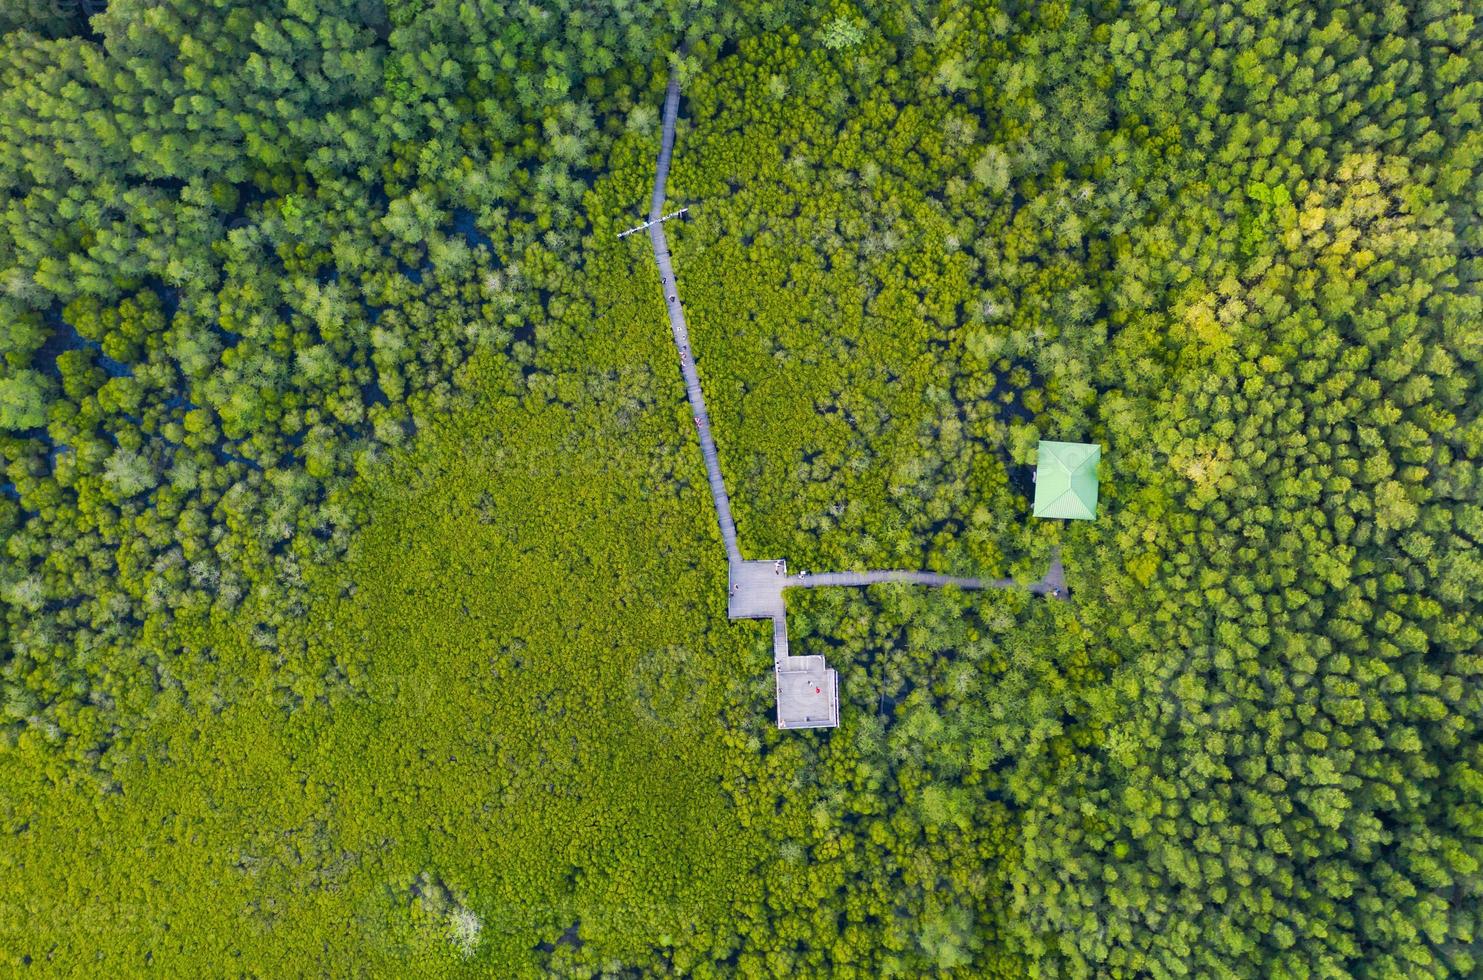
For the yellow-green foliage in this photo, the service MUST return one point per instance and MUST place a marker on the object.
(540, 700)
(364, 607)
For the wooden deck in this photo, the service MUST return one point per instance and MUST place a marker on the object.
(808, 693)
(756, 589)
(807, 688)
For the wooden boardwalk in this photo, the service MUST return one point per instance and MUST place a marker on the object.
(677, 326)
(807, 688)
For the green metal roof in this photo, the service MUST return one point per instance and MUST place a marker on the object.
(1066, 480)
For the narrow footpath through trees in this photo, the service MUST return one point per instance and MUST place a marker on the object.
(807, 688)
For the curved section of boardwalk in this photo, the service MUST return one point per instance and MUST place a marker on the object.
(677, 326)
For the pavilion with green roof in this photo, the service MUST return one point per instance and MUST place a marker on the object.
(1066, 480)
